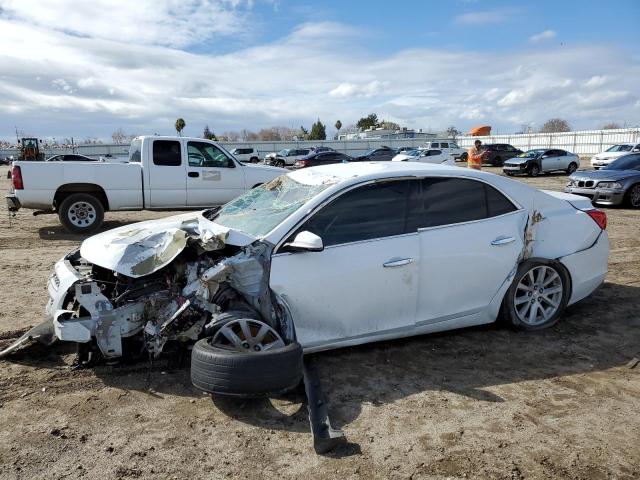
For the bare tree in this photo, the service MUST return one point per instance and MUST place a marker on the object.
(610, 126)
(554, 125)
(231, 136)
(118, 136)
(453, 132)
(270, 134)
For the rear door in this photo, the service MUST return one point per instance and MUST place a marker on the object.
(167, 175)
(470, 238)
(212, 178)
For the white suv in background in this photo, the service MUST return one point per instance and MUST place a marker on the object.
(246, 154)
(449, 147)
(603, 159)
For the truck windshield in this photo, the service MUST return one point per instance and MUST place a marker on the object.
(135, 151)
(261, 209)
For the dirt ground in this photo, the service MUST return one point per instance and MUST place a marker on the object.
(477, 403)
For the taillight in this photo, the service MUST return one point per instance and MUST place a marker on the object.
(303, 163)
(16, 177)
(598, 216)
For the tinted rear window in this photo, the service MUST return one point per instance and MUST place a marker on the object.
(166, 153)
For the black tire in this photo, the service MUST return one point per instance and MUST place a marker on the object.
(280, 163)
(497, 162)
(573, 166)
(464, 156)
(93, 213)
(533, 170)
(231, 373)
(254, 160)
(508, 311)
(633, 196)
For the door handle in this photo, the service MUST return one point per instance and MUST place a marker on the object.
(397, 262)
(193, 174)
(503, 240)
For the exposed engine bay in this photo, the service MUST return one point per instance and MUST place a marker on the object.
(180, 281)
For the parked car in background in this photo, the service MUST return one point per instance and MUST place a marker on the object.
(404, 149)
(450, 147)
(246, 154)
(610, 154)
(71, 158)
(542, 160)
(381, 154)
(287, 157)
(320, 149)
(617, 183)
(498, 153)
(425, 156)
(6, 160)
(163, 173)
(322, 158)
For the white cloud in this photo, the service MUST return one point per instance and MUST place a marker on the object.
(346, 90)
(597, 81)
(64, 84)
(175, 23)
(486, 17)
(546, 35)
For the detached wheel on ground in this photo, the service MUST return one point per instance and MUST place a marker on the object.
(633, 196)
(573, 166)
(246, 358)
(538, 295)
(81, 213)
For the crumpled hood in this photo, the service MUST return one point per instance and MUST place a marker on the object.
(142, 248)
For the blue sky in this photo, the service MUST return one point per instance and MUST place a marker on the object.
(87, 68)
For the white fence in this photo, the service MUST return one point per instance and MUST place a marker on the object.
(588, 142)
(584, 143)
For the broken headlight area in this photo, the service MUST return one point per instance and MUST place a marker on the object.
(110, 312)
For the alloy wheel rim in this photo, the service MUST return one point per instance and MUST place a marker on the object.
(247, 336)
(82, 214)
(538, 295)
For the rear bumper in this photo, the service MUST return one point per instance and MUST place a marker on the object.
(600, 196)
(13, 204)
(587, 268)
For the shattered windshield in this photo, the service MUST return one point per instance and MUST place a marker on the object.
(532, 153)
(261, 209)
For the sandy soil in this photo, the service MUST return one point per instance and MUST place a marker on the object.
(483, 402)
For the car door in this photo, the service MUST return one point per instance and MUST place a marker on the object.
(167, 175)
(212, 177)
(549, 161)
(432, 156)
(364, 283)
(470, 238)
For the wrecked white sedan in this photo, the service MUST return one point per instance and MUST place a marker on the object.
(322, 258)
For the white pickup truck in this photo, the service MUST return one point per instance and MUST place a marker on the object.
(163, 173)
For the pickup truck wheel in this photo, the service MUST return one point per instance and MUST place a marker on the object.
(81, 213)
(246, 358)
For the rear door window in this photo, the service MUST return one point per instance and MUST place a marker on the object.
(447, 201)
(166, 153)
(444, 145)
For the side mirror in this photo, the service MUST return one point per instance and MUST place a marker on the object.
(305, 242)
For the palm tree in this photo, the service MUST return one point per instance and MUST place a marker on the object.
(180, 124)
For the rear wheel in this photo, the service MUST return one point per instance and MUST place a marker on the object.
(573, 166)
(633, 196)
(81, 213)
(538, 295)
(534, 170)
